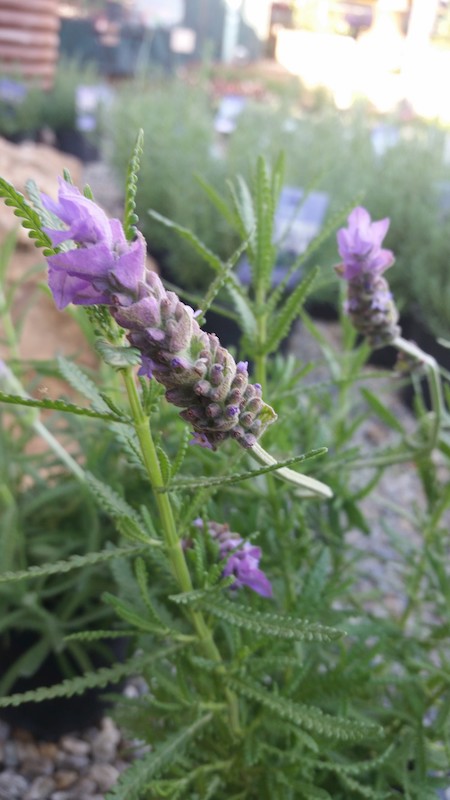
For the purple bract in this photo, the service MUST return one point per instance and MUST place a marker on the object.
(360, 245)
(100, 262)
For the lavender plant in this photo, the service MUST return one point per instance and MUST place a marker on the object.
(270, 674)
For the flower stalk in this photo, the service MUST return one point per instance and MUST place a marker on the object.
(173, 543)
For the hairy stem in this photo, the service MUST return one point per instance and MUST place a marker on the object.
(172, 541)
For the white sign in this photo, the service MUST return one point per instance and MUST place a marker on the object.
(163, 13)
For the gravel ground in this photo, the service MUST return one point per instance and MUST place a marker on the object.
(79, 766)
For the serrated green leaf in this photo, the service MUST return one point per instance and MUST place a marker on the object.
(182, 450)
(272, 625)
(29, 217)
(198, 595)
(289, 311)
(117, 356)
(219, 202)
(224, 277)
(127, 520)
(214, 261)
(243, 476)
(309, 717)
(362, 791)
(91, 680)
(130, 218)
(131, 616)
(46, 217)
(243, 204)
(244, 311)
(329, 229)
(264, 255)
(25, 665)
(136, 778)
(74, 562)
(58, 405)
(98, 636)
(79, 381)
(164, 464)
(140, 570)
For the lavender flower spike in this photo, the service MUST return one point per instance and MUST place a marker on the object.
(200, 376)
(242, 559)
(370, 304)
(100, 261)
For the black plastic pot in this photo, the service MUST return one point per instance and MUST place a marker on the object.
(51, 719)
(416, 330)
(74, 142)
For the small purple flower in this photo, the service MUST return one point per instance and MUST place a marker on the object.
(360, 245)
(241, 557)
(244, 565)
(101, 263)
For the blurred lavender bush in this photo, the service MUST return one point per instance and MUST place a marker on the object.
(391, 166)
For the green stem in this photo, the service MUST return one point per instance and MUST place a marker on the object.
(172, 541)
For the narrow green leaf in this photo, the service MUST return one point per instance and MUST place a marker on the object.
(198, 595)
(309, 717)
(98, 636)
(58, 405)
(130, 217)
(74, 562)
(243, 476)
(117, 356)
(182, 450)
(382, 411)
(223, 278)
(133, 782)
(130, 615)
(243, 203)
(272, 625)
(140, 571)
(244, 310)
(289, 311)
(46, 217)
(25, 665)
(91, 680)
(29, 217)
(219, 202)
(128, 521)
(214, 261)
(264, 256)
(164, 464)
(79, 381)
(328, 229)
